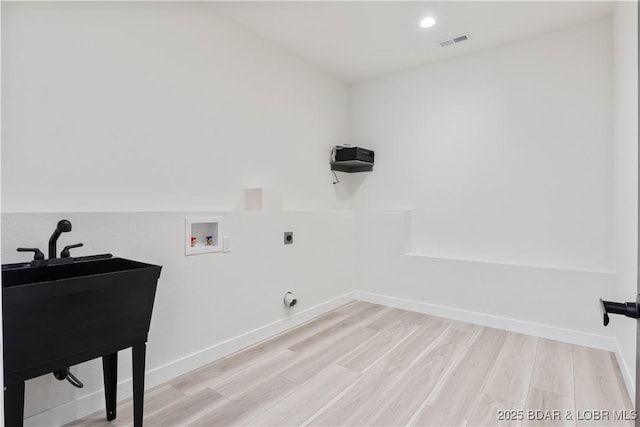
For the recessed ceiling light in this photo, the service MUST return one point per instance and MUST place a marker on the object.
(427, 22)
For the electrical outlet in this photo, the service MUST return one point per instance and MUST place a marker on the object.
(288, 237)
(226, 244)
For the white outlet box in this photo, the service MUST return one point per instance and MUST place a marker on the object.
(262, 199)
(226, 244)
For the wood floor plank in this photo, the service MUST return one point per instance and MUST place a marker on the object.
(155, 400)
(363, 398)
(217, 371)
(310, 344)
(621, 383)
(306, 367)
(512, 371)
(393, 315)
(93, 420)
(415, 318)
(363, 357)
(244, 380)
(544, 408)
(464, 326)
(354, 306)
(419, 381)
(463, 384)
(307, 399)
(596, 386)
(386, 319)
(487, 412)
(242, 409)
(195, 381)
(431, 416)
(409, 350)
(553, 368)
(369, 313)
(97, 419)
(186, 410)
(303, 331)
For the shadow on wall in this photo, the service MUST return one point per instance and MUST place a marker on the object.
(348, 184)
(266, 199)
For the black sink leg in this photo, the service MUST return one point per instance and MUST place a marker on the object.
(110, 374)
(138, 352)
(14, 404)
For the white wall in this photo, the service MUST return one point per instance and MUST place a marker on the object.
(504, 155)
(158, 106)
(625, 166)
(163, 109)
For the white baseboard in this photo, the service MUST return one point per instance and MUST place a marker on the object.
(629, 381)
(535, 329)
(93, 402)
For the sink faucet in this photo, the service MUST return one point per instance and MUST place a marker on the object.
(62, 227)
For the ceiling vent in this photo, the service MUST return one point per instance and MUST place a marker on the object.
(455, 39)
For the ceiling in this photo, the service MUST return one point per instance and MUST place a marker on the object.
(358, 40)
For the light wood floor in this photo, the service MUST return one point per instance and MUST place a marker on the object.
(369, 365)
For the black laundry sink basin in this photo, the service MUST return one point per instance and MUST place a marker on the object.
(53, 315)
(57, 313)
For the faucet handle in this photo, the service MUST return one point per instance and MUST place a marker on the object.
(37, 253)
(65, 252)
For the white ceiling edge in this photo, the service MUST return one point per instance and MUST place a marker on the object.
(359, 40)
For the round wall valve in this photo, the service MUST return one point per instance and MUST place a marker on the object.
(289, 300)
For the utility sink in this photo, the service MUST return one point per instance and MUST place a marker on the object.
(59, 314)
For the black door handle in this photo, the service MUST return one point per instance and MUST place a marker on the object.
(629, 309)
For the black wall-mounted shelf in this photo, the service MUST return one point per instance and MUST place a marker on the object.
(351, 166)
(352, 159)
